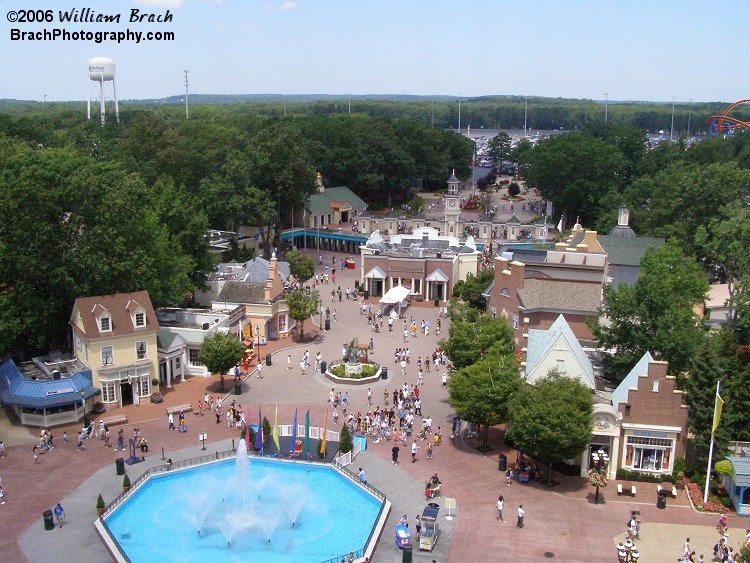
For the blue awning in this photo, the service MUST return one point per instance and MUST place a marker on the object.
(17, 391)
(323, 234)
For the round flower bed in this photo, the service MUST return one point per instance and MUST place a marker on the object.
(368, 374)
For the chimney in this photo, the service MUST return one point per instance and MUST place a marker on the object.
(272, 275)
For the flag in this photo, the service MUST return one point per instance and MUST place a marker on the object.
(276, 429)
(323, 437)
(717, 412)
(293, 446)
(560, 225)
(307, 433)
(259, 434)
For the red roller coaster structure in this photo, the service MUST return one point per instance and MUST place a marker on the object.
(725, 125)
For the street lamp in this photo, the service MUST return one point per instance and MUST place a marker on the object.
(627, 552)
(83, 401)
(598, 473)
(257, 340)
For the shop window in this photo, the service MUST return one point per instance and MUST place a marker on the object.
(143, 386)
(283, 323)
(105, 324)
(108, 392)
(194, 357)
(648, 454)
(140, 319)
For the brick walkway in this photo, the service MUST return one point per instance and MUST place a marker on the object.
(563, 520)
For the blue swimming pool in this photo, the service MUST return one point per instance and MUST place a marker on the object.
(252, 510)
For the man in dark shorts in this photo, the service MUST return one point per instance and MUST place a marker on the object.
(394, 455)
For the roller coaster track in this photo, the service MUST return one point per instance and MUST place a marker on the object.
(717, 126)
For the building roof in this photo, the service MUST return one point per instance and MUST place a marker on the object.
(741, 470)
(546, 294)
(321, 202)
(16, 390)
(117, 306)
(620, 394)
(242, 292)
(717, 296)
(541, 342)
(255, 270)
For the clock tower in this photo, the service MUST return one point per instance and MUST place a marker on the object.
(452, 206)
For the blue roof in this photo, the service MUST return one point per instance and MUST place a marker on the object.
(741, 470)
(620, 395)
(323, 234)
(541, 341)
(16, 390)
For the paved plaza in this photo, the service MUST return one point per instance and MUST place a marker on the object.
(561, 523)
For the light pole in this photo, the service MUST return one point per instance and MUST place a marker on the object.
(83, 403)
(606, 107)
(627, 552)
(257, 339)
(598, 474)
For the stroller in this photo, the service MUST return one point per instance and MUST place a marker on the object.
(87, 431)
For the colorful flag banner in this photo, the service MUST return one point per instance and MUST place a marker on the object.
(276, 429)
(719, 405)
(307, 433)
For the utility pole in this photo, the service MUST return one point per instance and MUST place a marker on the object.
(187, 114)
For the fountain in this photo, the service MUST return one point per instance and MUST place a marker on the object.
(258, 509)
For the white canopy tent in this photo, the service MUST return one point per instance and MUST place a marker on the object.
(395, 296)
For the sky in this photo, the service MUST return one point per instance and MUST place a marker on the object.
(631, 49)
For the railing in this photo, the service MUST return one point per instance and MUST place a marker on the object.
(357, 555)
(344, 460)
(114, 541)
(355, 479)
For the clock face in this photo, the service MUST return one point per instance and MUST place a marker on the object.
(452, 202)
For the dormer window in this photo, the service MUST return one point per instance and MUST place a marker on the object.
(105, 324)
(140, 319)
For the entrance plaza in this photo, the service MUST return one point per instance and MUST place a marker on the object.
(561, 523)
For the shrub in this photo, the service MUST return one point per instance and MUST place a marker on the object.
(345, 440)
(679, 466)
(714, 503)
(126, 482)
(514, 189)
(266, 427)
(368, 370)
(723, 467)
(251, 436)
(100, 502)
(625, 475)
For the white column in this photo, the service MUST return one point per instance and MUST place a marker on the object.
(614, 457)
(183, 361)
(168, 370)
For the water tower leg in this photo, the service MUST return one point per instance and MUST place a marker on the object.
(101, 99)
(88, 100)
(117, 109)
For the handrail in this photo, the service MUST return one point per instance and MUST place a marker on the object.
(357, 554)
(114, 541)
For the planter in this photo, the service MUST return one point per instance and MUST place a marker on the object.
(99, 511)
(349, 381)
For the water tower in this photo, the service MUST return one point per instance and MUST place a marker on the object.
(101, 70)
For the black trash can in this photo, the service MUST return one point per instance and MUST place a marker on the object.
(328, 324)
(120, 465)
(661, 499)
(323, 366)
(237, 387)
(406, 554)
(384, 372)
(502, 462)
(49, 520)
(367, 294)
(268, 359)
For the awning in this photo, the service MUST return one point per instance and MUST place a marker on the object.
(395, 295)
(437, 276)
(377, 272)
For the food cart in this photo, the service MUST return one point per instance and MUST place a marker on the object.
(403, 537)
(430, 527)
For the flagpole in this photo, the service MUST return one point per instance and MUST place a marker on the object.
(711, 449)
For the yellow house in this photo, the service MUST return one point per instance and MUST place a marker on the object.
(115, 337)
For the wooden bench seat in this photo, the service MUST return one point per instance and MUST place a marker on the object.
(187, 407)
(116, 419)
(632, 490)
(619, 488)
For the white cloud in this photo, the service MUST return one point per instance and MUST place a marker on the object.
(282, 7)
(161, 3)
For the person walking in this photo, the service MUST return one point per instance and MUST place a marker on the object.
(170, 418)
(509, 476)
(120, 440)
(521, 513)
(59, 514)
(499, 507)
(369, 397)
(289, 362)
(414, 449)
(394, 454)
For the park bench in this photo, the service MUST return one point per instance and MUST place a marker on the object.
(115, 419)
(632, 490)
(187, 407)
(619, 488)
(660, 488)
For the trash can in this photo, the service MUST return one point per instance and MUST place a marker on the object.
(502, 462)
(328, 324)
(323, 366)
(237, 387)
(367, 294)
(384, 372)
(661, 499)
(49, 520)
(268, 359)
(406, 554)
(120, 465)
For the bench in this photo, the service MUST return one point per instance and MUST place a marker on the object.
(659, 489)
(674, 491)
(187, 407)
(115, 419)
(619, 488)
(632, 490)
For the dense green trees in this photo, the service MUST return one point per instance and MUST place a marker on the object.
(655, 314)
(474, 335)
(220, 351)
(302, 306)
(552, 420)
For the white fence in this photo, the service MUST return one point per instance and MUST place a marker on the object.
(315, 432)
(348, 457)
